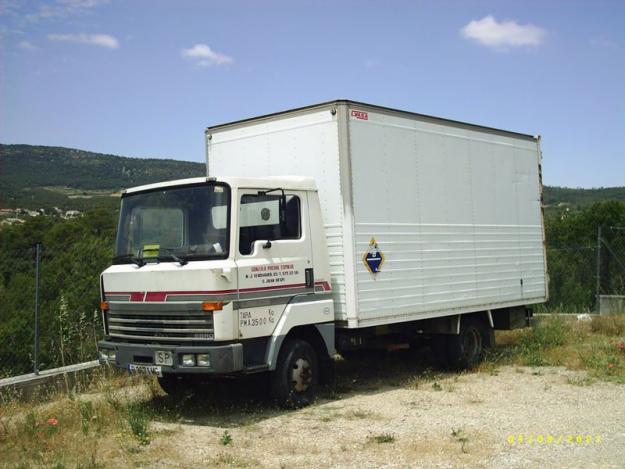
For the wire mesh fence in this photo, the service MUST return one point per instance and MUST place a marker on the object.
(49, 318)
(584, 265)
(611, 261)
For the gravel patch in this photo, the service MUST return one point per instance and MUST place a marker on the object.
(465, 420)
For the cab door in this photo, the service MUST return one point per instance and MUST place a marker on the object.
(273, 256)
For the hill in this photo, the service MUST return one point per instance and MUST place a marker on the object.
(578, 198)
(36, 177)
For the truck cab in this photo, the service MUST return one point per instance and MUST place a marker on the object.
(220, 276)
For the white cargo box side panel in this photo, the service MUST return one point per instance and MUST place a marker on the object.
(298, 144)
(456, 213)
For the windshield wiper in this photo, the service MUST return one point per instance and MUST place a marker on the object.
(170, 253)
(131, 258)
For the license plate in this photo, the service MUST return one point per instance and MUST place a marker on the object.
(163, 357)
(145, 370)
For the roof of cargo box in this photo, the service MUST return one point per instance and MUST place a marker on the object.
(422, 117)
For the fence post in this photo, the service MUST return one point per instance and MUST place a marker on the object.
(598, 291)
(37, 276)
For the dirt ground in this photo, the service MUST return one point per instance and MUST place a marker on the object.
(383, 413)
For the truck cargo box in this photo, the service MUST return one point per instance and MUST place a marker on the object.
(424, 217)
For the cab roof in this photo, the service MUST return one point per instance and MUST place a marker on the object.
(294, 183)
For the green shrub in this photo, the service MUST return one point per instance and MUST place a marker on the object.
(226, 438)
(383, 438)
(138, 420)
(86, 415)
(546, 334)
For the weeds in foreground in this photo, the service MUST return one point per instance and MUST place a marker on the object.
(596, 346)
(580, 380)
(382, 438)
(459, 435)
(609, 325)
(546, 335)
(71, 432)
(226, 438)
(138, 421)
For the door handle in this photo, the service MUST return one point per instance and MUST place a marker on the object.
(226, 273)
(310, 278)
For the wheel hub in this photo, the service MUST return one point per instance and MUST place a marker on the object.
(301, 375)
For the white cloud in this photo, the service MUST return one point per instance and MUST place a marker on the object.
(204, 56)
(25, 45)
(503, 34)
(102, 40)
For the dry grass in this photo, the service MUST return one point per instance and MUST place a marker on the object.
(106, 424)
(613, 325)
(596, 346)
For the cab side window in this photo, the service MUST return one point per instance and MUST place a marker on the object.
(267, 217)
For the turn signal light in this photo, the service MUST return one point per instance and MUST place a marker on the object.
(212, 306)
(104, 305)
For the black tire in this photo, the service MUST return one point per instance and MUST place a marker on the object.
(466, 349)
(294, 381)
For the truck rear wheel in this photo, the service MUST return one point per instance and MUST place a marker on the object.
(466, 349)
(294, 381)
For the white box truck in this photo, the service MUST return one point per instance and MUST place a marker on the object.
(313, 228)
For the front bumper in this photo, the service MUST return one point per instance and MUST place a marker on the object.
(224, 359)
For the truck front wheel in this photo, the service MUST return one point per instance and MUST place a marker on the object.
(466, 349)
(294, 381)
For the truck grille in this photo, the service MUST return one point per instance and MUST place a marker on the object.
(166, 328)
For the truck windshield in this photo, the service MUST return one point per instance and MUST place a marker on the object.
(176, 224)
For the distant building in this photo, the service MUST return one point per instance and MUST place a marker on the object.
(11, 221)
(72, 214)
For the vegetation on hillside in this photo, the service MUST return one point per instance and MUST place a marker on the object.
(577, 198)
(36, 176)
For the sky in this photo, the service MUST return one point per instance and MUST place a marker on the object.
(145, 78)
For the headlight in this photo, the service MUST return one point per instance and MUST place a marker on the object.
(203, 359)
(108, 355)
(188, 360)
